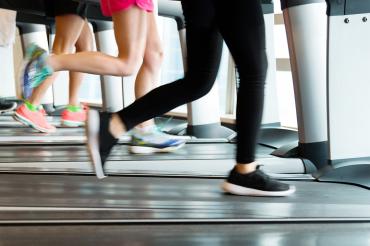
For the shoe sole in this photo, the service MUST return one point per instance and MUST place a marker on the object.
(68, 123)
(92, 136)
(152, 150)
(29, 123)
(243, 191)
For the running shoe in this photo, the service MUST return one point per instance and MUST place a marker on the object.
(256, 183)
(152, 140)
(74, 116)
(6, 106)
(42, 110)
(99, 140)
(35, 70)
(33, 118)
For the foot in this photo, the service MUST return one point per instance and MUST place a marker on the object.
(256, 183)
(42, 110)
(99, 139)
(74, 116)
(33, 118)
(6, 106)
(152, 140)
(35, 69)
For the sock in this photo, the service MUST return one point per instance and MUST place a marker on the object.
(31, 106)
(73, 108)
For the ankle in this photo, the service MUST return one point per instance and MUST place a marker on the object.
(116, 126)
(31, 106)
(50, 62)
(145, 129)
(245, 168)
(74, 103)
(146, 125)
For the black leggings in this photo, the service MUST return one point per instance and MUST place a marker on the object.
(240, 23)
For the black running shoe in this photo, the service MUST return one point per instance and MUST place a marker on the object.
(256, 183)
(99, 140)
(6, 106)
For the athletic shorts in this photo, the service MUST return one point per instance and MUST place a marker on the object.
(65, 7)
(109, 7)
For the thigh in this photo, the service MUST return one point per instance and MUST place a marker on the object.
(85, 40)
(153, 41)
(68, 29)
(203, 40)
(130, 29)
(242, 26)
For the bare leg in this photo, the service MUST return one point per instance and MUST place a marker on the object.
(130, 27)
(148, 75)
(68, 29)
(40, 91)
(84, 43)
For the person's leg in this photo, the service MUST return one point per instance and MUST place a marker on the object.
(242, 27)
(204, 45)
(84, 43)
(75, 114)
(68, 29)
(130, 28)
(146, 135)
(148, 75)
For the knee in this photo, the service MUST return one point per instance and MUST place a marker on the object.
(153, 59)
(198, 85)
(254, 71)
(252, 79)
(128, 66)
(84, 45)
(62, 47)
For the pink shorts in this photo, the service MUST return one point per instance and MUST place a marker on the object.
(109, 7)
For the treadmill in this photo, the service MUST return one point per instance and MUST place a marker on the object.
(340, 30)
(348, 82)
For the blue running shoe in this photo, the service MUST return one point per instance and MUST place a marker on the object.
(35, 69)
(152, 140)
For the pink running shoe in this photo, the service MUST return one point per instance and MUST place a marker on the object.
(74, 119)
(42, 110)
(34, 119)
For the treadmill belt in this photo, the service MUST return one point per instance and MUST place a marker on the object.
(207, 160)
(75, 199)
(189, 235)
(119, 153)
